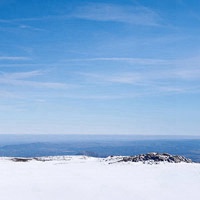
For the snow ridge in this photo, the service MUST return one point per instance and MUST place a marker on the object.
(149, 158)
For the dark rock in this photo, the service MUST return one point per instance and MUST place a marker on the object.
(156, 158)
(21, 159)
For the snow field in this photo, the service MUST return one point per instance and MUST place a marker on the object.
(79, 178)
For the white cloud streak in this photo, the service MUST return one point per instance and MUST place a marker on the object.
(14, 58)
(140, 61)
(7, 94)
(138, 15)
(153, 75)
(21, 75)
(17, 79)
(155, 81)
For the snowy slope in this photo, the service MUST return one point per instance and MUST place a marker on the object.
(79, 177)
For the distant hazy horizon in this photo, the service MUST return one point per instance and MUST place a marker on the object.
(32, 138)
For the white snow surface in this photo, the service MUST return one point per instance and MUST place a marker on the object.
(87, 178)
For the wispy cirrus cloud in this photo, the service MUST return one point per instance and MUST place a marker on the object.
(19, 24)
(29, 19)
(138, 15)
(31, 28)
(146, 76)
(141, 61)
(14, 58)
(21, 75)
(177, 80)
(187, 74)
(125, 78)
(20, 79)
(8, 95)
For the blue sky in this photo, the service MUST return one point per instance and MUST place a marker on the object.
(100, 67)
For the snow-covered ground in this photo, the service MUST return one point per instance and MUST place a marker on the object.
(79, 177)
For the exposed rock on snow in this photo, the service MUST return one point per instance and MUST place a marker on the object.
(21, 159)
(150, 158)
(46, 158)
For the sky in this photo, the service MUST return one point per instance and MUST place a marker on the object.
(122, 67)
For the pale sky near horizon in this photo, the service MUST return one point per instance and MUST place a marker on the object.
(100, 67)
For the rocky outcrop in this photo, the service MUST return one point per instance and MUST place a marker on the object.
(21, 159)
(151, 158)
